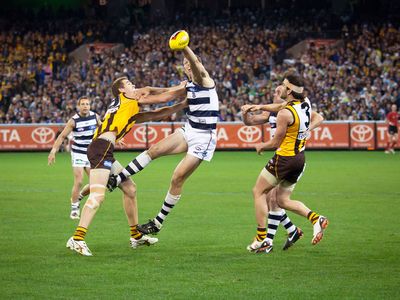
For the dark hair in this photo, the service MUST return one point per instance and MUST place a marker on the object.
(81, 98)
(117, 84)
(295, 79)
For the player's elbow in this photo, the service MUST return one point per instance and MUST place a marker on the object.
(247, 122)
(275, 143)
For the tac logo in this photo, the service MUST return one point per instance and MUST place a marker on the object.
(43, 135)
(249, 134)
(140, 134)
(361, 133)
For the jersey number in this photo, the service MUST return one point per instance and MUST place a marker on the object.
(307, 108)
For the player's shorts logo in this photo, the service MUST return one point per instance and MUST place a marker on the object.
(43, 135)
(249, 134)
(141, 136)
(361, 133)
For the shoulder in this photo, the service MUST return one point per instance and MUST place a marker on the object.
(71, 122)
(285, 112)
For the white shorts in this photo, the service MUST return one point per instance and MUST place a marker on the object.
(80, 160)
(201, 143)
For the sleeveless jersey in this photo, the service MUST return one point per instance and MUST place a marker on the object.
(203, 109)
(295, 139)
(83, 132)
(119, 117)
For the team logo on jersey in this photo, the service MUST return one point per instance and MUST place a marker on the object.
(249, 134)
(361, 133)
(43, 135)
(145, 134)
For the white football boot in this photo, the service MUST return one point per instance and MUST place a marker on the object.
(259, 247)
(75, 214)
(319, 227)
(79, 246)
(144, 240)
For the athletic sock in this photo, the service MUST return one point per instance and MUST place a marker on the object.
(135, 166)
(313, 217)
(169, 203)
(261, 233)
(287, 223)
(80, 233)
(135, 233)
(80, 197)
(74, 205)
(274, 218)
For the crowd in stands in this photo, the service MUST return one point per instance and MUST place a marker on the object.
(357, 80)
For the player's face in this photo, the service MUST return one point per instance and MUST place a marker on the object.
(394, 107)
(84, 106)
(129, 87)
(187, 69)
(284, 90)
(278, 94)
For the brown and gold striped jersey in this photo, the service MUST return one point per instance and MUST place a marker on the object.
(296, 133)
(119, 117)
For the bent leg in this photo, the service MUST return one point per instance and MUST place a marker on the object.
(172, 144)
(284, 201)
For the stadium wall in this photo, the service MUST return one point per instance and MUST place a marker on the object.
(231, 135)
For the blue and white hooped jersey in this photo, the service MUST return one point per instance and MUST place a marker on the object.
(203, 107)
(83, 132)
(272, 123)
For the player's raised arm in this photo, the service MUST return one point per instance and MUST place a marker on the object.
(151, 90)
(171, 94)
(200, 74)
(273, 107)
(253, 119)
(159, 114)
(56, 146)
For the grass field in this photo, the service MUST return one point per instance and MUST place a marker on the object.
(201, 253)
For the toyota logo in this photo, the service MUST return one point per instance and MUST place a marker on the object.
(361, 133)
(43, 135)
(140, 134)
(249, 134)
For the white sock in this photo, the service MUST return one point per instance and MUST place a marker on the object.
(135, 166)
(169, 203)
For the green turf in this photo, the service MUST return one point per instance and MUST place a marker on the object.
(201, 253)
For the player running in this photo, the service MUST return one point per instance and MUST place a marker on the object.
(82, 125)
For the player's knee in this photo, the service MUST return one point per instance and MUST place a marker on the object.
(256, 191)
(130, 190)
(154, 151)
(94, 201)
(282, 201)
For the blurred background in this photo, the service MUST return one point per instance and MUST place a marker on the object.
(53, 52)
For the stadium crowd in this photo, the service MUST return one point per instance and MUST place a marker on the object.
(40, 82)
